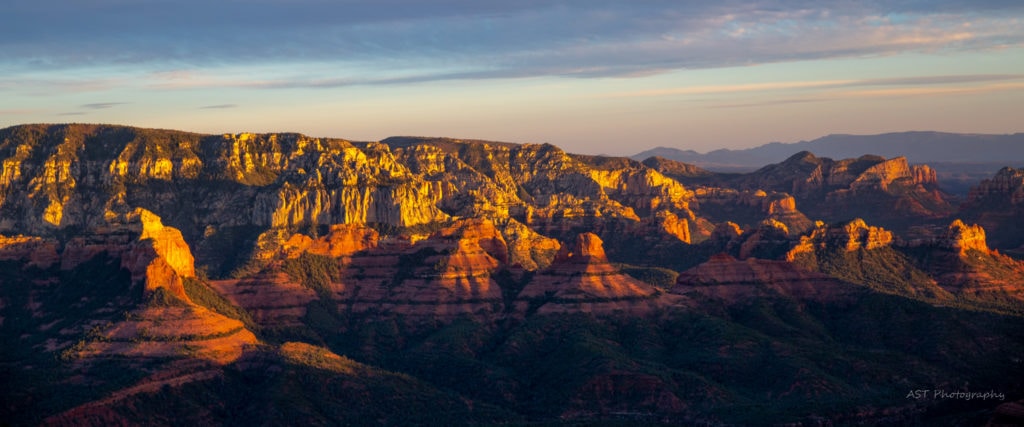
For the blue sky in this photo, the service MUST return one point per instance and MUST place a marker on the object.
(594, 76)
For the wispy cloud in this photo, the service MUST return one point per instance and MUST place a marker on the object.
(102, 105)
(931, 91)
(769, 103)
(938, 80)
(912, 86)
(218, 107)
(750, 87)
(71, 113)
(467, 39)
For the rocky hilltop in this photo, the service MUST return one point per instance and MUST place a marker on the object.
(503, 283)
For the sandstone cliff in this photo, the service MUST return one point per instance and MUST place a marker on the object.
(229, 195)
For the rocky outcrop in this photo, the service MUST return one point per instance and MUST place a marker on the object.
(588, 249)
(961, 262)
(886, 191)
(962, 238)
(846, 237)
(526, 248)
(769, 240)
(341, 240)
(160, 258)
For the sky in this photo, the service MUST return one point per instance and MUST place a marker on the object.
(591, 76)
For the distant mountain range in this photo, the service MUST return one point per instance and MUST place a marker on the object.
(917, 147)
(961, 160)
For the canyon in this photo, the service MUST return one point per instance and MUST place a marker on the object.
(502, 283)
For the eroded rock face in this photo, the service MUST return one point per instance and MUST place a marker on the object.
(726, 231)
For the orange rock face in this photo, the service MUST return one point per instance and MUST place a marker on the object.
(961, 237)
(160, 258)
(342, 240)
(587, 249)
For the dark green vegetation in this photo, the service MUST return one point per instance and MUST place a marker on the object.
(201, 294)
(767, 361)
(296, 387)
(36, 382)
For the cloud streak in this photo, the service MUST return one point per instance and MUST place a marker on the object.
(102, 105)
(909, 82)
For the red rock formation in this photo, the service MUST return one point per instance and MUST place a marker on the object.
(527, 248)
(1006, 185)
(171, 332)
(581, 279)
(727, 278)
(270, 297)
(482, 232)
(588, 249)
(443, 276)
(847, 237)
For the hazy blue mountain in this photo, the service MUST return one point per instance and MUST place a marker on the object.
(918, 147)
(961, 160)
